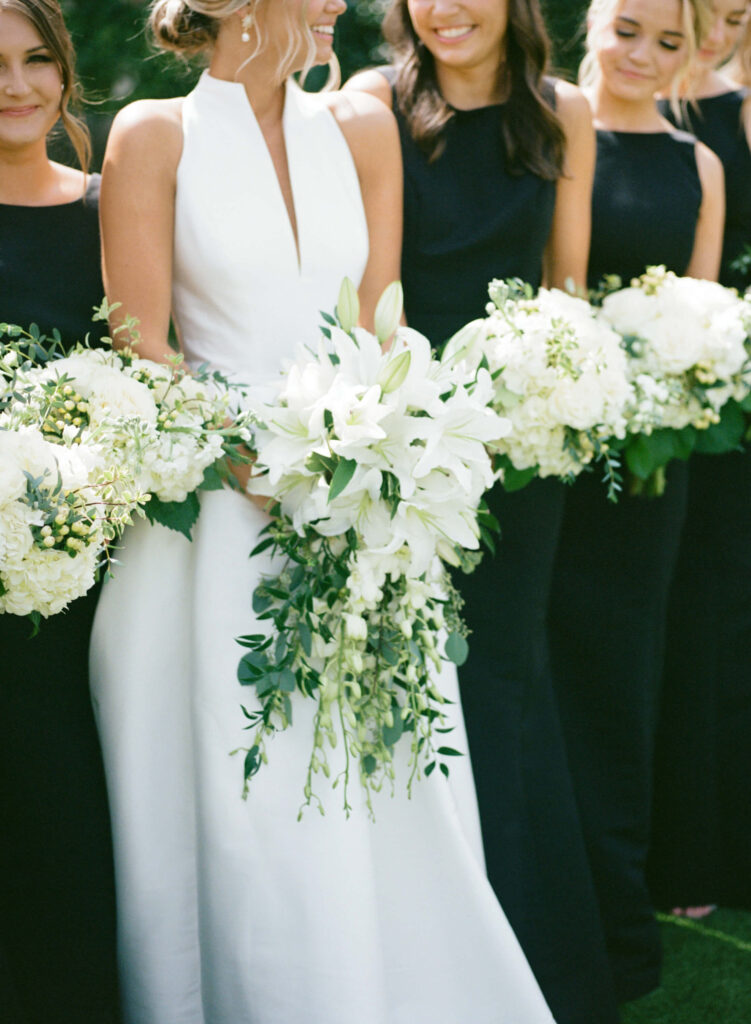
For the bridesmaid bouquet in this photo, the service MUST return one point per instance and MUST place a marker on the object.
(375, 463)
(560, 377)
(102, 434)
(689, 364)
(58, 508)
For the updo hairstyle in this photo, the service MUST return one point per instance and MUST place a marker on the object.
(47, 19)
(190, 27)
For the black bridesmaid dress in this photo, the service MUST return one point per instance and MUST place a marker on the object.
(613, 571)
(701, 840)
(57, 916)
(468, 220)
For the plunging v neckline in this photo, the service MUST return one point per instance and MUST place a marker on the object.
(294, 228)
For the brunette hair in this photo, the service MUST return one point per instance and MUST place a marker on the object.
(191, 27)
(533, 135)
(47, 19)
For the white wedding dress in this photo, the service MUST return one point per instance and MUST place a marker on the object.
(230, 911)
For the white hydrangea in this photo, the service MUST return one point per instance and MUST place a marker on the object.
(689, 337)
(559, 376)
(47, 581)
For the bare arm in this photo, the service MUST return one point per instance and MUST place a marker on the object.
(707, 252)
(373, 139)
(567, 252)
(137, 212)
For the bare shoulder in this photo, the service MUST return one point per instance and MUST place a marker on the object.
(372, 82)
(572, 106)
(364, 120)
(746, 116)
(148, 129)
(710, 168)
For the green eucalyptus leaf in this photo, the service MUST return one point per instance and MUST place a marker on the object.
(449, 752)
(369, 764)
(267, 683)
(392, 733)
(457, 648)
(261, 601)
(306, 637)
(250, 668)
(287, 680)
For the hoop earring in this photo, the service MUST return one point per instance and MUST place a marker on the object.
(247, 23)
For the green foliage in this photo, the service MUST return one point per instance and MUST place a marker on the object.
(180, 516)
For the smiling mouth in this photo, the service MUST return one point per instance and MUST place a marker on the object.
(456, 32)
(324, 30)
(638, 75)
(18, 111)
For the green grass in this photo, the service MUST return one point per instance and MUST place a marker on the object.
(706, 973)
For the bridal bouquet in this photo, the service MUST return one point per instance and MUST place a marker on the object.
(559, 375)
(688, 362)
(102, 434)
(375, 462)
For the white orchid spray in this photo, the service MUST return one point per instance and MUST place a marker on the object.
(687, 343)
(557, 373)
(374, 457)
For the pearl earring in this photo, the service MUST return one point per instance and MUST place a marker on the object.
(246, 23)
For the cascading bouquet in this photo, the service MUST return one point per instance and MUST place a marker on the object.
(375, 463)
(559, 375)
(86, 440)
(689, 364)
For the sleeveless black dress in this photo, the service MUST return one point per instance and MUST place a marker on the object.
(468, 220)
(701, 844)
(57, 917)
(613, 571)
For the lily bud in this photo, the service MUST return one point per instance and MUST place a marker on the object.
(394, 373)
(389, 311)
(348, 306)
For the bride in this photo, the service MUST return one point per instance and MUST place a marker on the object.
(239, 210)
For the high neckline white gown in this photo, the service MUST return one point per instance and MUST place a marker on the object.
(230, 911)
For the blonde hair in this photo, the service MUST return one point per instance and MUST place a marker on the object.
(47, 19)
(190, 27)
(695, 17)
(739, 67)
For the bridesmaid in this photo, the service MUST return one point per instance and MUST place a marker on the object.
(701, 845)
(498, 165)
(658, 199)
(57, 928)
